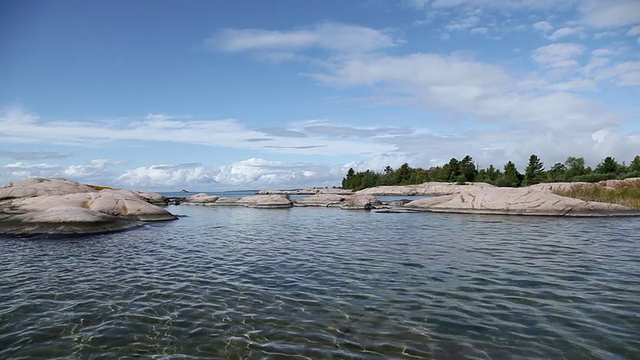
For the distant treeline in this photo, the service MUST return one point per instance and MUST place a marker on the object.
(465, 170)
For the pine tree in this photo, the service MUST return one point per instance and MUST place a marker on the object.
(534, 171)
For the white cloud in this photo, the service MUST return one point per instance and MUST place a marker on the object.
(463, 24)
(502, 4)
(610, 13)
(95, 171)
(434, 80)
(167, 177)
(253, 173)
(418, 4)
(327, 36)
(563, 32)
(480, 30)
(93, 168)
(21, 126)
(543, 26)
(634, 31)
(558, 55)
(624, 74)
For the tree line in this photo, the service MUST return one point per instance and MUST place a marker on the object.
(465, 170)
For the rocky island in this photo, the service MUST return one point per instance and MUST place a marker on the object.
(60, 206)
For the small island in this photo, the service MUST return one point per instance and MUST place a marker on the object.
(61, 206)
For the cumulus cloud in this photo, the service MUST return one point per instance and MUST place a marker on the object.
(167, 176)
(95, 171)
(253, 173)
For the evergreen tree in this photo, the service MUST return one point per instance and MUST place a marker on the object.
(608, 165)
(635, 164)
(510, 177)
(467, 168)
(534, 171)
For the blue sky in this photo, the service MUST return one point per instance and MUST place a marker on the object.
(214, 95)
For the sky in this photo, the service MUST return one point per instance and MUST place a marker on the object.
(251, 94)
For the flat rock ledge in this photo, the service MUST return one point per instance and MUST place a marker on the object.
(60, 206)
(519, 201)
(282, 201)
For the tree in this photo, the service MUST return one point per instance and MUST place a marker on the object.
(534, 171)
(348, 182)
(575, 167)
(402, 175)
(635, 164)
(510, 177)
(450, 171)
(557, 172)
(608, 165)
(467, 168)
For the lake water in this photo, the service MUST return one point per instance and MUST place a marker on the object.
(318, 283)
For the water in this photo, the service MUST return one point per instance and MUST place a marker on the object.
(232, 282)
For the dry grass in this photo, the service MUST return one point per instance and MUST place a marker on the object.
(98, 187)
(626, 193)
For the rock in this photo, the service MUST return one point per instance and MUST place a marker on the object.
(37, 187)
(558, 186)
(59, 206)
(150, 197)
(518, 201)
(428, 188)
(266, 201)
(226, 201)
(324, 200)
(64, 220)
(360, 202)
(201, 199)
(314, 191)
(616, 183)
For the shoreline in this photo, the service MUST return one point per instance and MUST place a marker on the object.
(60, 206)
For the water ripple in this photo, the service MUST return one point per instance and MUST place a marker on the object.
(322, 283)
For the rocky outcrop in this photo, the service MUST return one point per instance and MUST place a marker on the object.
(200, 199)
(315, 191)
(321, 200)
(360, 202)
(37, 187)
(519, 201)
(428, 188)
(266, 201)
(60, 206)
(254, 201)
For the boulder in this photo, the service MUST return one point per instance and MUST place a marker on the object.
(519, 201)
